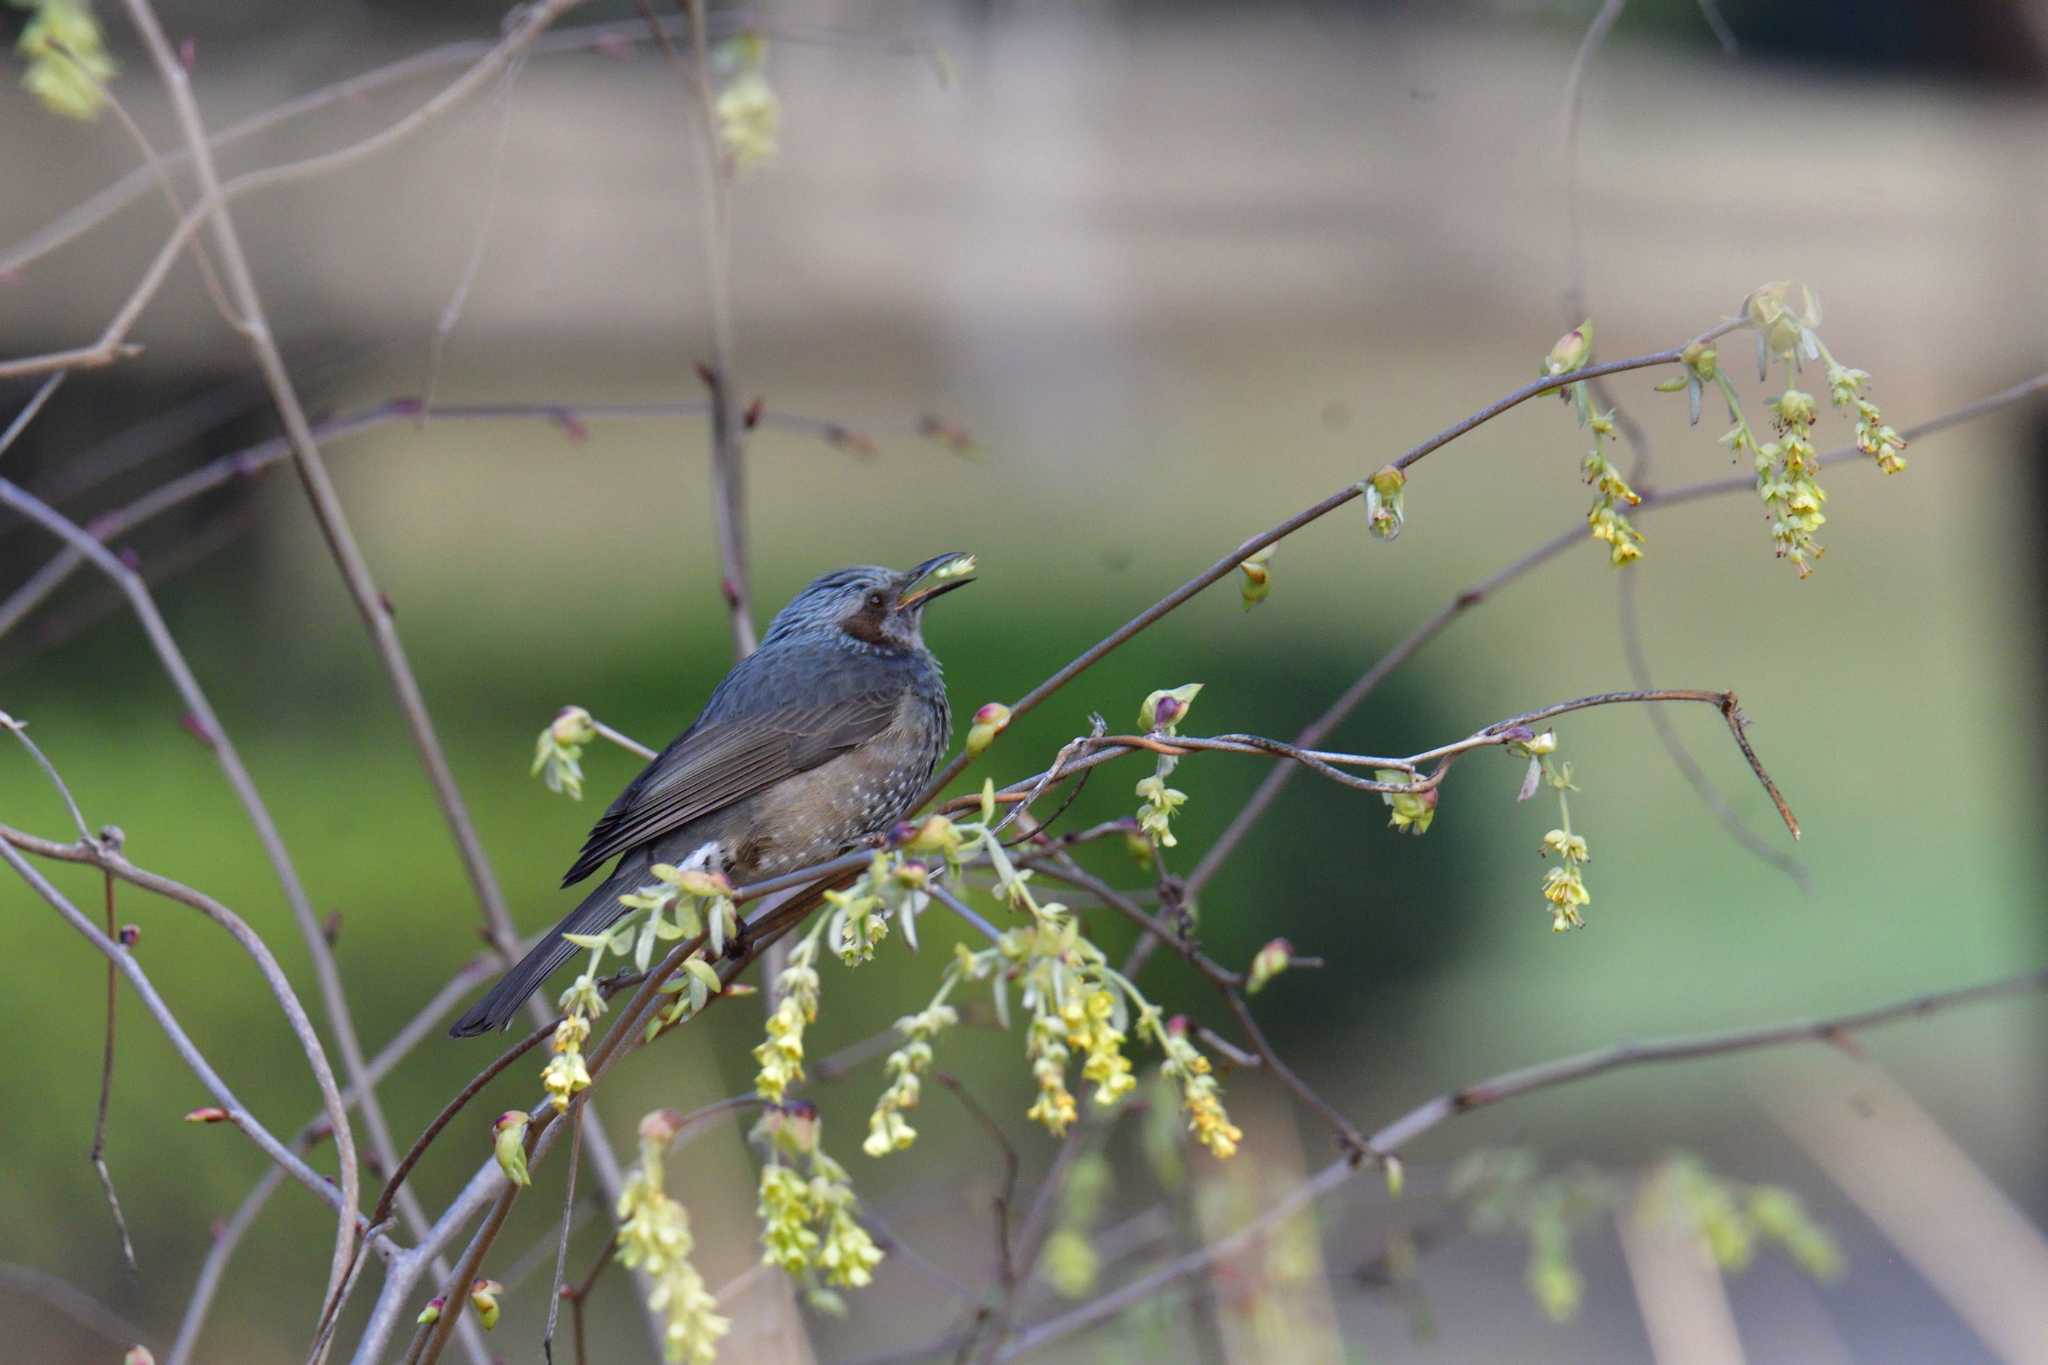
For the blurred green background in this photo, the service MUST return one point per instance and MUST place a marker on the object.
(1181, 274)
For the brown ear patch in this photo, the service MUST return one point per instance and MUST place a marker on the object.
(866, 623)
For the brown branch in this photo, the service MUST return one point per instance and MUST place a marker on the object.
(98, 1155)
(1227, 565)
(547, 1337)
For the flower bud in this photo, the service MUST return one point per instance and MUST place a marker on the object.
(1165, 709)
(509, 1146)
(1385, 503)
(431, 1314)
(139, 1355)
(1572, 350)
(1139, 847)
(1412, 810)
(1794, 407)
(660, 1127)
(131, 934)
(936, 835)
(1701, 358)
(1783, 331)
(913, 874)
(793, 1127)
(1397, 1176)
(989, 721)
(1257, 585)
(211, 1113)
(1268, 963)
(572, 726)
(483, 1296)
(695, 881)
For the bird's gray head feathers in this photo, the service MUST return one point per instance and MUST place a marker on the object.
(870, 606)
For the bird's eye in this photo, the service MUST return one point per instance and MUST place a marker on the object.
(875, 601)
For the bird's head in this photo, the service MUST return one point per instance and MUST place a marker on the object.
(877, 607)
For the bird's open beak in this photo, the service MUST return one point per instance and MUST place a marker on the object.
(939, 574)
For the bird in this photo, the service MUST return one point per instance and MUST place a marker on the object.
(821, 737)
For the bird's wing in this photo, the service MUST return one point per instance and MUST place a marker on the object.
(723, 759)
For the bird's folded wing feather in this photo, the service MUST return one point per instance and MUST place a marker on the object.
(716, 763)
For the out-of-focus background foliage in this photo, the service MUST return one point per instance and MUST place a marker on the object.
(1181, 270)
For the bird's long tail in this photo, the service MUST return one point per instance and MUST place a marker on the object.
(599, 910)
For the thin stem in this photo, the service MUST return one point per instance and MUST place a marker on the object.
(98, 1155)
(547, 1338)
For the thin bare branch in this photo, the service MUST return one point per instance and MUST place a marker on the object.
(253, 460)
(189, 1052)
(72, 1302)
(214, 1267)
(45, 391)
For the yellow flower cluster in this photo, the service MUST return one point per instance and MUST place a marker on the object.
(1873, 437)
(857, 921)
(1161, 801)
(1564, 886)
(1091, 1026)
(1200, 1095)
(781, 1055)
(1046, 1046)
(68, 62)
(1787, 468)
(654, 1237)
(794, 1207)
(888, 1130)
(565, 1073)
(749, 116)
(785, 1209)
(1611, 493)
(1787, 471)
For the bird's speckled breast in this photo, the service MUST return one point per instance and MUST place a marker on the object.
(859, 793)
